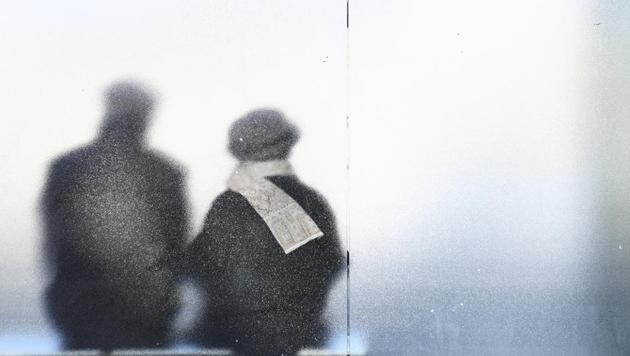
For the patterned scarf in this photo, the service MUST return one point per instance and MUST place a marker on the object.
(288, 222)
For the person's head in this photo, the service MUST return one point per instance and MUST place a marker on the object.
(262, 135)
(128, 107)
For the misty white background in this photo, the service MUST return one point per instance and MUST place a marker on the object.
(470, 145)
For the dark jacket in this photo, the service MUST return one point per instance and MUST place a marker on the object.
(261, 301)
(115, 223)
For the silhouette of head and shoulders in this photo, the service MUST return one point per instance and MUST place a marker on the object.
(121, 139)
(115, 221)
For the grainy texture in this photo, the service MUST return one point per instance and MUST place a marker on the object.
(262, 301)
(115, 224)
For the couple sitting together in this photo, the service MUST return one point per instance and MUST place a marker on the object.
(116, 222)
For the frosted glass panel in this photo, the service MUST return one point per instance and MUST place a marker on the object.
(468, 157)
(487, 184)
(206, 64)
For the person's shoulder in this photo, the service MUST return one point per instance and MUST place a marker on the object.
(165, 163)
(293, 186)
(227, 206)
(309, 198)
(229, 199)
(73, 159)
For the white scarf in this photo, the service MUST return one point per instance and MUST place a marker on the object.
(288, 222)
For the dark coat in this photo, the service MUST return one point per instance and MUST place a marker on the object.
(261, 301)
(115, 223)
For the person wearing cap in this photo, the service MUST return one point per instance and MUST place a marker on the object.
(268, 251)
(114, 223)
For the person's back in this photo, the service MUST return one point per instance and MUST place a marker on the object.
(115, 221)
(261, 299)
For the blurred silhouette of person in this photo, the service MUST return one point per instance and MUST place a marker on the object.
(268, 252)
(115, 221)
